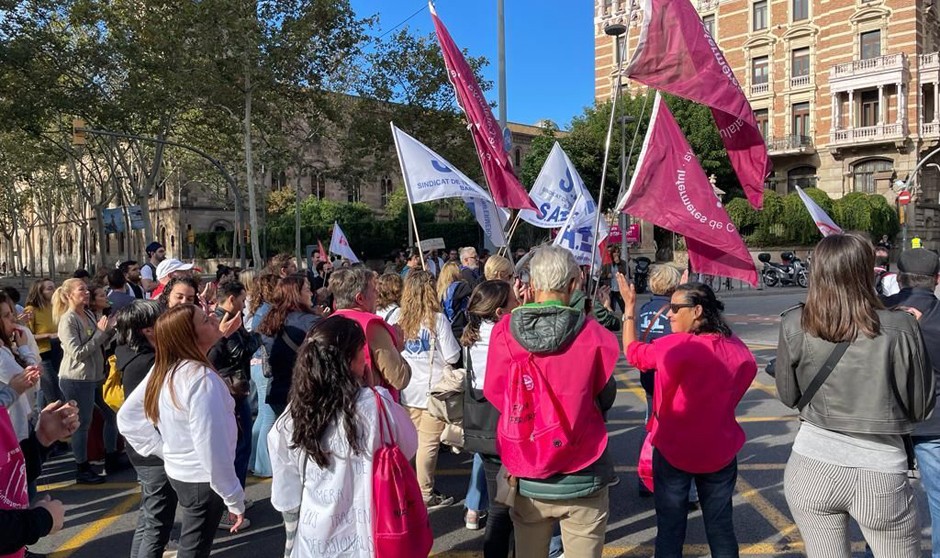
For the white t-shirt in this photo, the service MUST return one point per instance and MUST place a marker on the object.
(335, 502)
(424, 374)
(479, 352)
(389, 313)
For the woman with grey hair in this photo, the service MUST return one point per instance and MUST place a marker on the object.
(135, 356)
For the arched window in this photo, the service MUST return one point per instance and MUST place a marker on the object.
(863, 173)
(280, 181)
(163, 236)
(804, 177)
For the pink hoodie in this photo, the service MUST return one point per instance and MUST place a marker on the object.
(700, 379)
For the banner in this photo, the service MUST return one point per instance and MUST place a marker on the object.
(340, 246)
(577, 234)
(677, 55)
(487, 135)
(670, 189)
(323, 256)
(555, 191)
(113, 220)
(136, 216)
(428, 176)
(491, 219)
(825, 223)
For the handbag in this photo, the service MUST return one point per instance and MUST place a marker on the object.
(400, 524)
(445, 400)
(113, 389)
(480, 417)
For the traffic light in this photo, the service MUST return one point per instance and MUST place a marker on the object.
(78, 132)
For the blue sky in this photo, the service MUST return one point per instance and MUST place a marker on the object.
(549, 48)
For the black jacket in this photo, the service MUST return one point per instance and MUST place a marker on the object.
(134, 367)
(231, 356)
(19, 528)
(926, 302)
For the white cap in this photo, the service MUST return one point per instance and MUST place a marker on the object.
(169, 265)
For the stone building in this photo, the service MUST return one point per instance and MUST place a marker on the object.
(847, 92)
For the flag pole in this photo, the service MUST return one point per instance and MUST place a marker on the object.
(512, 231)
(411, 210)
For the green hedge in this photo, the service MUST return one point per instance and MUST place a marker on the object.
(785, 220)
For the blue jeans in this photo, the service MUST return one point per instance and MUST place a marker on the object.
(243, 445)
(88, 395)
(671, 497)
(260, 461)
(157, 510)
(49, 390)
(927, 451)
(477, 497)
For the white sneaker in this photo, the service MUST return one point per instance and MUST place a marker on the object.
(249, 503)
(228, 520)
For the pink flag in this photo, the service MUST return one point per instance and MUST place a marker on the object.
(670, 189)
(487, 135)
(676, 54)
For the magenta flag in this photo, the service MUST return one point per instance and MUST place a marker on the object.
(670, 189)
(487, 136)
(676, 54)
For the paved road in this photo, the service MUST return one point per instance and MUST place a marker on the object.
(101, 519)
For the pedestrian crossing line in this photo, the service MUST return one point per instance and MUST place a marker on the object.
(97, 527)
(778, 520)
(631, 387)
(647, 550)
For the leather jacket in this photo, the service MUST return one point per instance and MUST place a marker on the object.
(880, 386)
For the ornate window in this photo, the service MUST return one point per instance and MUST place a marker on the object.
(863, 173)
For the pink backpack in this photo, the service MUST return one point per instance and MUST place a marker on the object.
(400, 524)
(533, 431)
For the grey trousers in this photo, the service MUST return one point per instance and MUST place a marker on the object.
(823, 497)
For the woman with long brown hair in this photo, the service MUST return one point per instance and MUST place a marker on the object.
(81, 373)
(282, 330)
(860, 378)
(185, 414)
(39, 308)
(429, 346)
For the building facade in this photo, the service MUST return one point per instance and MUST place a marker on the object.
(847, 92)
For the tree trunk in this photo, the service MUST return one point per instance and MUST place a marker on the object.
(50, 232)
(297, 246)
(250, 176)
(102, 237)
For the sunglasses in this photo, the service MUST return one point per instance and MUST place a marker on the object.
(674, 308)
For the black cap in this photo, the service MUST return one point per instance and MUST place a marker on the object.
(919, 261)
(153, 247)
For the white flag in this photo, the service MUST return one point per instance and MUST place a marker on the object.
(577, 234)
(491, 219)
(428, 176)
(555, 191)
(340, 246)
(825, 223)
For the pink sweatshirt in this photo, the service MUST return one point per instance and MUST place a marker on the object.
(700, 379)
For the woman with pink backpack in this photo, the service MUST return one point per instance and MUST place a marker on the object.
(340, 452)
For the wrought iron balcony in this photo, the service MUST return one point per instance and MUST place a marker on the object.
(790, 145)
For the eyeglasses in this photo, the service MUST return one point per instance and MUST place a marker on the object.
(674, 308)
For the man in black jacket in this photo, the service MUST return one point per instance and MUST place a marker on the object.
(231, 357)
(135, 356)
(918, 279)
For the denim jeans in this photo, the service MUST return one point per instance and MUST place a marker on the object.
(202, 510)
(927, 451)
(157, 510)
(88, 395)
(671, 496)
(498, 537)
(260, 461)
(477, 494)
(243, 445)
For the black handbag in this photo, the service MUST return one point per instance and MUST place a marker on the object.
(480, 417)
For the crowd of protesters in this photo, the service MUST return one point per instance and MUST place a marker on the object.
(306, 377)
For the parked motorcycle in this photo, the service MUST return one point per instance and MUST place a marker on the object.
(641, 273)
(791, 271)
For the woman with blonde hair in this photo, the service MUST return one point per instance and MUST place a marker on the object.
(454, 294)
(185, 414)
(498, 268)
(429, 346)
(39, 308)
(81, 373)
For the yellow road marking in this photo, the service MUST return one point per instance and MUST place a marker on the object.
(95, 528)
(71, 486)
(771, 390)
(778, 520)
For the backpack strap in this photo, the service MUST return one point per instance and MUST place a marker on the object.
(384, 426)
(289, 342)
(834, 357)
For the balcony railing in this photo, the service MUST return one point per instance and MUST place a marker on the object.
(930, 129)
(792, 143)
(706, 5)
(869, 65)
(759, 88)
(800, 81)
(929, 61)
(867, 133)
